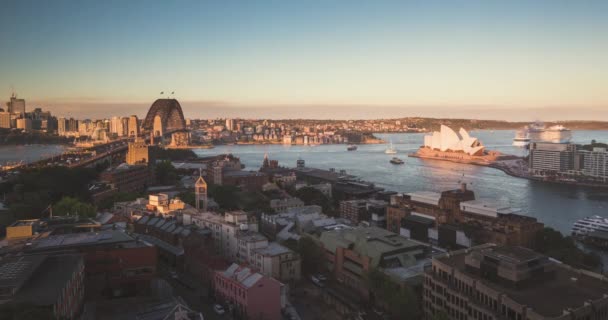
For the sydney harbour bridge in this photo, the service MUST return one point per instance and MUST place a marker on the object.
(165, 119)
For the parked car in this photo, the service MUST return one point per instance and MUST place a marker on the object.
(218, 309)
(317, 282)
(321, 277)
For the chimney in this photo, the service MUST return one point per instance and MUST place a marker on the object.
(463, 187)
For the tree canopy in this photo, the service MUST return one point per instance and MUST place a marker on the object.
(552, 243)
(72, 206)
(312, 196)
(166, 174)
(312, 255)
(401, 301)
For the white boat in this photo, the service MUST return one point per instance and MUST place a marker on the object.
(522, 139)
(587, 225)
(391, 149)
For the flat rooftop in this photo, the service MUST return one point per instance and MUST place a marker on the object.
(569, 289)
(273, 249)
(80, 239)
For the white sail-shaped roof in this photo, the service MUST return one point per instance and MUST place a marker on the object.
(448, 140)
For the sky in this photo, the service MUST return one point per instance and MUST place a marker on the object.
(509, 60)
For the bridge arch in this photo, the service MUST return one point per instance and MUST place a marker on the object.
(170, 113)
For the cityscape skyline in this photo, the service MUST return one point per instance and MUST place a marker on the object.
(420, 59)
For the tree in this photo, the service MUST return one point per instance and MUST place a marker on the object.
(225, 196)
(312, 255)
(312, 196)
(552, 243)
(165, 173)
(401, 301)
(73, 206)
(119, 197)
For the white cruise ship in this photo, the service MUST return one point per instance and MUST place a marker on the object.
(537, 132)
(522, 138)
(587, 225)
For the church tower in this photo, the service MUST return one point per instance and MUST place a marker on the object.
(200, 191)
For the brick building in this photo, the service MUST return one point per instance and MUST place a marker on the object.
(55, 283)
(251, 295)
(491, 283)
(127, 178)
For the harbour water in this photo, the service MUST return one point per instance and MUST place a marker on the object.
(29, 153)
(557, 206)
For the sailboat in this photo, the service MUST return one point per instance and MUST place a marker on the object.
(391, 149)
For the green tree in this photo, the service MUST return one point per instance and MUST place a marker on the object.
(225, 196)
(165, 173)
(119, 197)
(401, 301)
(552, 243)
(188, 197)
(312, 255)
(312, 196)
(73, 206)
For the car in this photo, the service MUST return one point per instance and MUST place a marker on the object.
(321, 277)
(218, 309)
(317, 282)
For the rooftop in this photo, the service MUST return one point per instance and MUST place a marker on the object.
(80, 239)
(570, 288)
(273, 249)
(373, 242)
(243, 275)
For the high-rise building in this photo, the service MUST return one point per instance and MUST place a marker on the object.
(490, 282)
(133, 126)
(230, 124)
(24, 124)
(62, 126)
(125, 127)
(16, 105)
(550, 158)
(5, 120)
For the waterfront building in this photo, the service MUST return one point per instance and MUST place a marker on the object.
(51, 282)
(251, 295)
(24, 124)
(503, 282)
(595, 164)
(551, 158)
(440, 218)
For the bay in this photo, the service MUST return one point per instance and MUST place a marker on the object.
(558, 206)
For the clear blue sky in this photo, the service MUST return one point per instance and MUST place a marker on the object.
(440, 55)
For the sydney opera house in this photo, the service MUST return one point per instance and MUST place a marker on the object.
(447, 140)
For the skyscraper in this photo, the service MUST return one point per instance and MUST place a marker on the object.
(16, 105)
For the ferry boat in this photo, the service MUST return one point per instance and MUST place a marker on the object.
(585, 226)
(351, 147)
(391, 149)
(396, 160)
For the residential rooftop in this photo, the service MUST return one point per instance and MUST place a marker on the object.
(273, 249)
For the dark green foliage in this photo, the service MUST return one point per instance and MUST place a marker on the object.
(25, 312)
(312, 255)
(108, 203)
(72, 206)
(165, 173)
(553, 244)
(35, 189)
(174, 154)
(312, 196)
(225, 196)
(402, 302)
(254, 201)
(188, 197)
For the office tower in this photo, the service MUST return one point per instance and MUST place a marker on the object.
(229, 124)
(62, 125)
(16, 105)
(5, 120)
